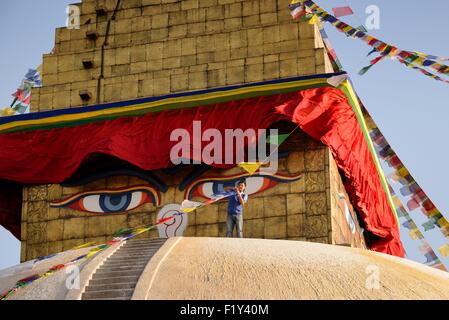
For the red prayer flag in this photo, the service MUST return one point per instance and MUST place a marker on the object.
(412, 204)
(342, 11)
(26, 100)
(161, 221)
(18, 94)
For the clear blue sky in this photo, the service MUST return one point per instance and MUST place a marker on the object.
(411, 109)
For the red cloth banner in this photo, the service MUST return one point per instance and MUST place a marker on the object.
(52, 156)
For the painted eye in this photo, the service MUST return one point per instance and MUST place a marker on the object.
(206, 188)
(111, 201)
(254, 185)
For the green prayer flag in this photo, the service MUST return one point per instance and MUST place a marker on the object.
(362, 28)
(20, 108)
(429, 225)
(306, 17)
(365, 70)
(277, 139)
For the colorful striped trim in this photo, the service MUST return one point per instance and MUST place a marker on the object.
(82, 115)
(348, 90)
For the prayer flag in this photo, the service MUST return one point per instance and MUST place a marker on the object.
(277, 139)
(342, 11)
(429, 225)
(188, 206)
(314, 19)
(362, 28)
(444, 250)
(415, 234)
(298, 13)
(250, 167)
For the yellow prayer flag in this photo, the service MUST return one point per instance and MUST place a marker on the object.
(314, 19)
(141, 230)
(443, 223)
(92, 252)
(403, 172)
(420, 53)
(419, 61)
(396, 201)
(188, 210)
(444, 250)
(81, 246)
(433, 212)
(415, 234)
(250, 167)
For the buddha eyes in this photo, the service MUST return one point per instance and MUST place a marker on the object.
(110, 201)
(127, 199)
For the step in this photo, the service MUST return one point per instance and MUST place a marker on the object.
(132, 256)
(114, 274)
(128, 260)
(136, 249)
(122, 268)
(132, 250)
(141, 243)
(140, 247)
(124, 265)
(107, 299)
(126, 293)
(144, 243)
(146, 240)
(132, 262)
(111, 286)
(137, 252)
(103, 280)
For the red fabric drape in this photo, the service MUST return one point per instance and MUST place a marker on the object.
(11, 207)
(330, 119)
(51, 156)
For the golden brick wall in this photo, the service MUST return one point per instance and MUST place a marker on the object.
(158, 47)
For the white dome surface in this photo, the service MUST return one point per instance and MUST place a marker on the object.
(219, 268)
(227, 269)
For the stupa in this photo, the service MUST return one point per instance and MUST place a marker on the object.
(93, 156)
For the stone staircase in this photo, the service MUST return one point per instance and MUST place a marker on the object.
(116, 279)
